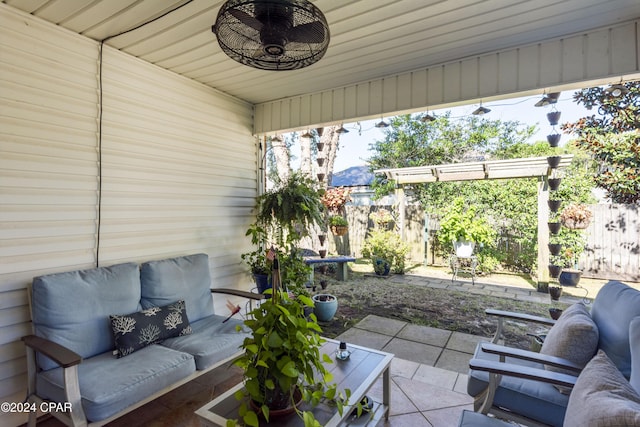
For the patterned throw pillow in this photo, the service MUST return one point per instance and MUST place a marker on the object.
(134, 331)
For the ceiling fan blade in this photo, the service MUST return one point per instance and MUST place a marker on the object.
(312, 32)
(246, 19)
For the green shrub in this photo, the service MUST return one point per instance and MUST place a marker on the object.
(386, 245)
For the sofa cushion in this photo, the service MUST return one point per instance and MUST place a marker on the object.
(634, 339)
(475, 419)
(109, 385)
(574, 337)
(184, 278)
(73, 308)
(134, 331)
(533, 399)
(602, 397)
(613, 309)
(211, 341)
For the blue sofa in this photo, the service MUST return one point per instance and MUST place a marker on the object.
(76, 315)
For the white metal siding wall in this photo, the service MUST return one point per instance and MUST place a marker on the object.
(593, 58)
(179, 171)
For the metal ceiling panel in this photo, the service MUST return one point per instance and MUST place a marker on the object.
(370, 39)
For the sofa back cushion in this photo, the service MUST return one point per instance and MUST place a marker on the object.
(613, 309)
(184, 278)
(73, 308)
(634, 339)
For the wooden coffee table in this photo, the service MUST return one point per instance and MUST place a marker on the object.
(358, 374)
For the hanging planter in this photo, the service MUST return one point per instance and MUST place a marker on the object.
(554, 183)
(320, 146)
(320, 161)
(323, 253)
(555, 292)
(553, 139)
(576, 216)
(320, 177)
(570, 277)
(555, 248)
(554, 270)
(554, 205)
(554, 227)
(321, 239)
(553, 117)
(554, 161)
(339, 230)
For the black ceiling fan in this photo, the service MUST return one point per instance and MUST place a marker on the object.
(272, 34)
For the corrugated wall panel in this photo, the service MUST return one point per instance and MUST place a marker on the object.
(178, 171)
(598, 57)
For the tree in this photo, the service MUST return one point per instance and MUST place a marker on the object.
(612, 137)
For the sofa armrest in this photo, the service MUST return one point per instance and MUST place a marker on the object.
(58, 353)
(526, 372)
(239, 293)
(530, 356)
(502, 315)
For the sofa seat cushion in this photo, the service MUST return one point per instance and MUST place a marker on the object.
(615, 306)
(109, 385)
(475, 419)
(183, 278)
(602, 397)
(134, 331)
(536, 400)
(73, 308)
(210, 342)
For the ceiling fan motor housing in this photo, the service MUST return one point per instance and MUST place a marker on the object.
(272, 34)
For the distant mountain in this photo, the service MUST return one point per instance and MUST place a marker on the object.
(354, 176)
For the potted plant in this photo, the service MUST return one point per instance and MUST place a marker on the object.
(464, 228)
(576, 216)
(386, 251)
(335, 198)
(381, 218)
(282, 362)
(324, 306)
(338, 225)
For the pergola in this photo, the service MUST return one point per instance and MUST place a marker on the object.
(534, 167)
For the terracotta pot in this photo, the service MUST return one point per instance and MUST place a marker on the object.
(554, 205)
(553, 161)
(554, 183)
(339, 230)
(553, 117)
(554, 227)
(553, 139)
(555, 248)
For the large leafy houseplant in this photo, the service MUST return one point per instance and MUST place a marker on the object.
(282, 360)
(461, 223)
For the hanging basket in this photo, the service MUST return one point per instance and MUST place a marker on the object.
(339, 230)
(575, 224)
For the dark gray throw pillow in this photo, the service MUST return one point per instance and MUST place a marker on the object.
(134, 331)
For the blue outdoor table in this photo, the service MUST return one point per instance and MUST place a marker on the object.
(341, 261)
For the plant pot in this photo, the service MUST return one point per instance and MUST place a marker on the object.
(325, 307)
(323, 284)
(381, 267)
(282, 405)
(553, 161)
(554, 271)
(575, 225)
(555, 292)
(554, 205)
(320, 146)
(555, 313)
(339, 230)
(320, 177)
(553, 117)
(321, 239)
(464, 249)
(554, 183)
(323, 253)
(555, 248)
(320, 161)
(570, 277)
(554, 227)
(262, 282)
(553, 139)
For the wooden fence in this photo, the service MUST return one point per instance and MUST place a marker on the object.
(612, 249)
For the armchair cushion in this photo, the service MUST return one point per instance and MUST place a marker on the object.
(574, 337)
(634, 339)
(134, 331)
(613, 310)
(602, 397)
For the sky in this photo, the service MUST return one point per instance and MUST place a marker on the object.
(354, 145)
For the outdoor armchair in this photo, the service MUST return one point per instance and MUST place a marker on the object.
(526, 386)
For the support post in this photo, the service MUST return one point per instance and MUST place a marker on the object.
(401, 209)
(543, 234)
